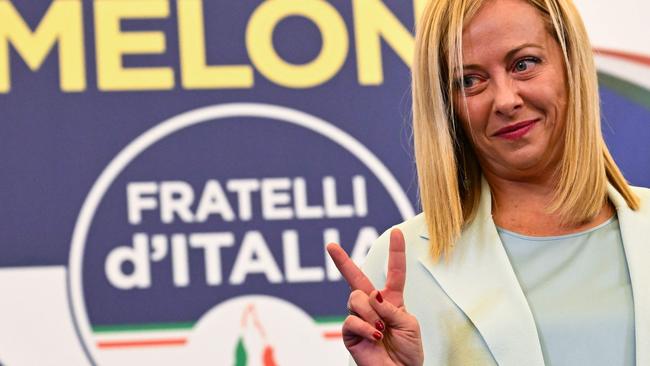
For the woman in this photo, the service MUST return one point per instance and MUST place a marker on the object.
(531, 244)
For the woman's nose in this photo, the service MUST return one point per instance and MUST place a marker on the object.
(507, 99)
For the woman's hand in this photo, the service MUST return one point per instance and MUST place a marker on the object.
(379, 331)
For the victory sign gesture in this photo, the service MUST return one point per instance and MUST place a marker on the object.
(378, 330)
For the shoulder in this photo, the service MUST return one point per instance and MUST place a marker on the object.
(644, 197)
(643, 193)
(415, 238)
(414, 226)
(413, 229)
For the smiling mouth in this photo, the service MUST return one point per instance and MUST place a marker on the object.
(516, 130)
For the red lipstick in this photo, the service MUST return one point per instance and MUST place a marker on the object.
(516, 130)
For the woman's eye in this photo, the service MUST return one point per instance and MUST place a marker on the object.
(468, 81)
(525, 64)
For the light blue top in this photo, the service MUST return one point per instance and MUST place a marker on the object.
(578, 289)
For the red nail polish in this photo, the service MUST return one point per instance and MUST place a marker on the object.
(380, 325)
(379, 298)
(376, 335)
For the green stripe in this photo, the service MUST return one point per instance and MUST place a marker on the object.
(329, 319)
(629, 90)
(114, 328)
(142, 327)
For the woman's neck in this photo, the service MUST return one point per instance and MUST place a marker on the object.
(521, 206)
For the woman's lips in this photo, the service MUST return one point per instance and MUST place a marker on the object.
(516, 130)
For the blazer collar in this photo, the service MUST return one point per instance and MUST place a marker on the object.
(478, 277)
(635, 233)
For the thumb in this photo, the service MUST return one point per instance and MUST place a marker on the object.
(393, 316)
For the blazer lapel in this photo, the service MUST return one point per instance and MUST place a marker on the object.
(635, 232)
(479, 279)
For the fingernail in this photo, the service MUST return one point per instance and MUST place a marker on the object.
(380, 325)
(379, 298)
(376, 335)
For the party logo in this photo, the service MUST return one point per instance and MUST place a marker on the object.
(203, 240)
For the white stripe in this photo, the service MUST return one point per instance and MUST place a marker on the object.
(632, 72)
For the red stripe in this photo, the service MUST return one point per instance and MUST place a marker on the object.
(335, 334)
(143, 343)
(633, 57)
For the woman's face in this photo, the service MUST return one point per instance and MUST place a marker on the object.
(514, 108)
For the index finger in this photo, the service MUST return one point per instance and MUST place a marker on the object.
(352, 274)
(396, 263)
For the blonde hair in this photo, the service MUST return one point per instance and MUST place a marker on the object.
(449, 175)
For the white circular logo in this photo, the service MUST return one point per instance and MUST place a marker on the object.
(136, 269)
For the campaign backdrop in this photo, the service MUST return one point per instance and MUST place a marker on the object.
(171, 170)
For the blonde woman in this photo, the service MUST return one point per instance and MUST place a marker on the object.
(531, 249)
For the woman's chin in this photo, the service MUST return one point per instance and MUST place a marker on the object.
(522, 168)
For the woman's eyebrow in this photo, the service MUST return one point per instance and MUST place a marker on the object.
(509, 55)
(514, 51)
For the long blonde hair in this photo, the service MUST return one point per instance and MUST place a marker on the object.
(449, 175)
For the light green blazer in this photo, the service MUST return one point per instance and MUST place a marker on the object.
(472, 310)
